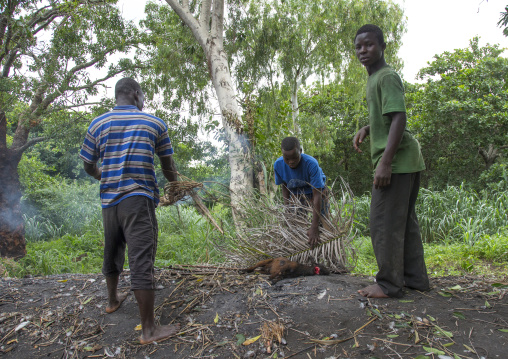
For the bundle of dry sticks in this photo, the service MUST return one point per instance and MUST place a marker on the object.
(177, 190)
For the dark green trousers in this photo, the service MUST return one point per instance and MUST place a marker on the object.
(396, 236)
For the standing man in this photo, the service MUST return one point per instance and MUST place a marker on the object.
(300, 176)
(398, 161)
(125, 140)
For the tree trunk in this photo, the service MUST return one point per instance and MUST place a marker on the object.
(240, 154)
(208, 32)
(490, 155)
(12, 229)
(295, 107)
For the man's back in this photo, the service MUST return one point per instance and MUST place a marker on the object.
(126, 140)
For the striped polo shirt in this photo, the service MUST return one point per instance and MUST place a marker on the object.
(125, 140)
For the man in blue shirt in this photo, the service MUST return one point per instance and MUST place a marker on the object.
(300, 176)
(125, 140)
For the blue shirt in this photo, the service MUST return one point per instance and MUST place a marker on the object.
(302, 179)
(126, 140)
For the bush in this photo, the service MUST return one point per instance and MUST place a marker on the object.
(186, 237)
(63, 208)
(68, 254)
(455, 214)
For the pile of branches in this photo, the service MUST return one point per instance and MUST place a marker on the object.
(271, 229)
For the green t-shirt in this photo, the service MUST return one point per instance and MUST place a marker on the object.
(385, 94)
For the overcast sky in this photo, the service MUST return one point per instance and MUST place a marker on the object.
(433, 26)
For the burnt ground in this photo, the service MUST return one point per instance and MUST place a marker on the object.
(317, 317)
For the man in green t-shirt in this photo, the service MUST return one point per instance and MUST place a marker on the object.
(398, 161)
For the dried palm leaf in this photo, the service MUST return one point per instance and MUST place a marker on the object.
(275, 230)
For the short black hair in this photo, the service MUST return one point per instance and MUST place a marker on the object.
(289, 143)
(126, 86)
(372, 28)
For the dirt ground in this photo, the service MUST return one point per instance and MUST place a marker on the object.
(221, 311)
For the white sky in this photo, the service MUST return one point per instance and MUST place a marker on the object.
(433, 26)
(436, 26)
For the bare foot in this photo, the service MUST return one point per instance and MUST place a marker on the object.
(373, 291)
(160, 333)
(115, 305)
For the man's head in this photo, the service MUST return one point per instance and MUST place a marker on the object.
(128, 91)
(291, 151)
(369, 44)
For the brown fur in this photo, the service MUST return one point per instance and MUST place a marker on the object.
(279, 268)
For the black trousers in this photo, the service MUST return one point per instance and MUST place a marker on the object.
(131, 223)
(396, 236)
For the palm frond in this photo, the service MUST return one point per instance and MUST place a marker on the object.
(272, 230)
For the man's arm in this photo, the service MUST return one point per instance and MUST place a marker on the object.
(313, 232)
(359, 137)
(384, 168)
(285, 194)
(169, 168)
(92, 170)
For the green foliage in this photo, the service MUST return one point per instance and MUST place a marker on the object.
(460, 215)
(186, 237)
(503, 21)
(496, 177)
(461, 110)
(65, 207)
(68, 254)
(274, 56)
(454, 215)
(489, 255)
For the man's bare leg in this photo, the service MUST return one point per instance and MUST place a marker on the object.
(373, 291)
(115, 300)
(150, 331)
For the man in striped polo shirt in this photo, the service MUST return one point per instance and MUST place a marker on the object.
(126, 140)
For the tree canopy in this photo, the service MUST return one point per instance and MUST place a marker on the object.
(460, 114)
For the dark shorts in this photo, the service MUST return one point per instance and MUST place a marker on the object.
(131, 223)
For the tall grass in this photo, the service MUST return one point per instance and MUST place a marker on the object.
(461, 215)
(455, 214)
(186, 237)
(65, 234)
(64, 208)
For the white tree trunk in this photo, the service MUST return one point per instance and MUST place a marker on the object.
(208, 31)
(295, 110)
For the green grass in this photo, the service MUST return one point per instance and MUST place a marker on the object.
(453, 215)
(68, 254)
(464, 232)
(185, 237)
(488, 256)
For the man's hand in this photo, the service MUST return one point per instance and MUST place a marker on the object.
(383, 175)
(313, 234)
(93, 170)
(359, 137)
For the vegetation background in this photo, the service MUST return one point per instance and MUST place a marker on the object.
(292, 75)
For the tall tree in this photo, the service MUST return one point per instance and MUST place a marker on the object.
(207, 27)
(460, 113)
(257, 61)
(287, 52)
(47, 52)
